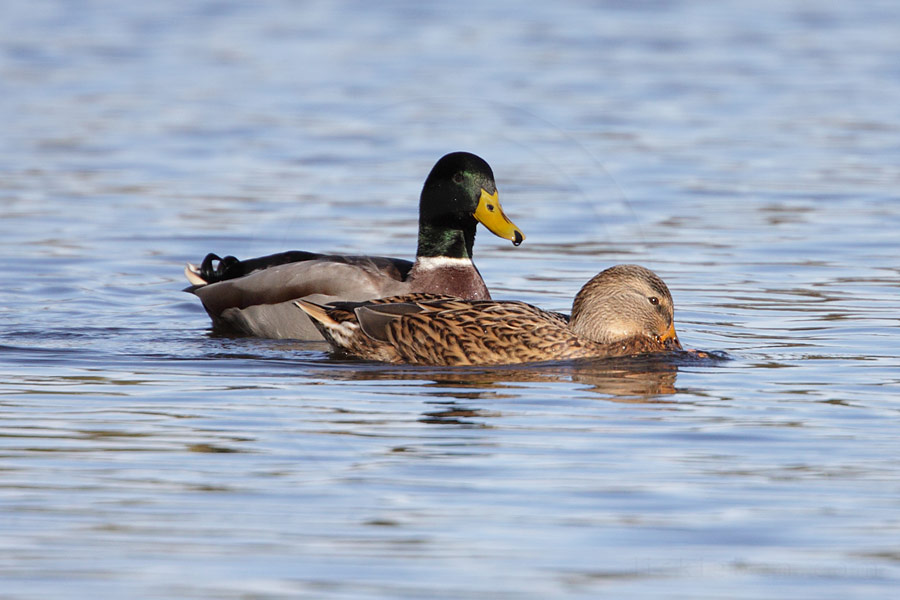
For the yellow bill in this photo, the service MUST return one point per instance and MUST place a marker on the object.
(490, 214)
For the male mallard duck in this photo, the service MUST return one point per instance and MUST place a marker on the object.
(254, 296)
(625, 310)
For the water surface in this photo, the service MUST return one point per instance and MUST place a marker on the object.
(747, 153)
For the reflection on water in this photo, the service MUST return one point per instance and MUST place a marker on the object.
(637, 379)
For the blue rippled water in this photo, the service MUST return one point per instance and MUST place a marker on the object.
(747, 152)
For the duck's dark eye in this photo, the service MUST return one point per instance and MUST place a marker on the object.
(653, 300)
(458, 178)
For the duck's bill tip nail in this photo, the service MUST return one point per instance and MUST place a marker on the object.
(519, 237)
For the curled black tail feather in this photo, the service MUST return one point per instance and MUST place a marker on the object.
(214, 269)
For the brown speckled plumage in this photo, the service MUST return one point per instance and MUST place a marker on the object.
(624, 310)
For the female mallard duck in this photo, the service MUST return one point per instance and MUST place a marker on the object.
(625, 310)
(254, 296)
